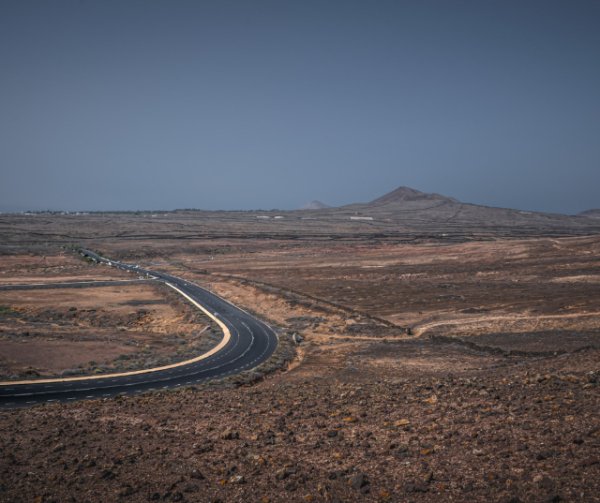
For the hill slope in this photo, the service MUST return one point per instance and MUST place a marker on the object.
(403, 194)
(407, 209)
(315, 205)
(593, 213)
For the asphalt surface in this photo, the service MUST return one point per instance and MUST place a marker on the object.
(251, 343)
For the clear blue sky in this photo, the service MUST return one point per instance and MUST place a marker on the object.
(269, 104)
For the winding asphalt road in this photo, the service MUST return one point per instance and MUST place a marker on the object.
(247, 342)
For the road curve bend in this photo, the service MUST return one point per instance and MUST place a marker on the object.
(246, 343)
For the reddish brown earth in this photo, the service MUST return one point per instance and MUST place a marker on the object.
(493, 398)
(62, 332)
(388, 422)
(54, 266)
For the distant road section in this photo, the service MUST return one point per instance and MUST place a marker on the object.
(246, 343)
(74, 284)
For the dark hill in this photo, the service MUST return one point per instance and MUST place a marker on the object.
(409, 210)
(402, 194)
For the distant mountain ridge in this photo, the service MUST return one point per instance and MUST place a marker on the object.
(315, 205)
(408, 210)
(404, 214)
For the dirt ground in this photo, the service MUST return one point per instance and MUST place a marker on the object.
(537, 294)
(83, 331)
(427, 372)
(58, 266)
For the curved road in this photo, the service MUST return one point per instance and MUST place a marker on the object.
(247, 342)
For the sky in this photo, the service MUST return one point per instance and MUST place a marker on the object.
(127, 105)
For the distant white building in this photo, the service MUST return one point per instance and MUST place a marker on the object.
(361, 218)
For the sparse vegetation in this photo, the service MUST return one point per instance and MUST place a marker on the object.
(7, 311)
(491, 396)
(61, 336)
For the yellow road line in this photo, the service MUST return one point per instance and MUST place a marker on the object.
(221, 345)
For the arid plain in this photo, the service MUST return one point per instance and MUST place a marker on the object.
(453, 361)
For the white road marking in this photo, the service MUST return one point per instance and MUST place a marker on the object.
(219, 356)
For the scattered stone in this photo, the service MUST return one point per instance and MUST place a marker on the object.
(360, 482)
(428, 477)
(108, 475)
(589, 462)
(416, 487)
(542, 455)
(197, 474)
(291, 486)
(230, 434)
(127, 491)
(284, 473)
(544, 482)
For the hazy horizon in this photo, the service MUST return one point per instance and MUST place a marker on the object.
(261, 209)
(232, 105)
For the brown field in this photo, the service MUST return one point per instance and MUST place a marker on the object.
(59, 266)
(431, 371)
(80, 331)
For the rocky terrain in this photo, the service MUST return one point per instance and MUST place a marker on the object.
(354, 429)
(431, 371)
(403, 215)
